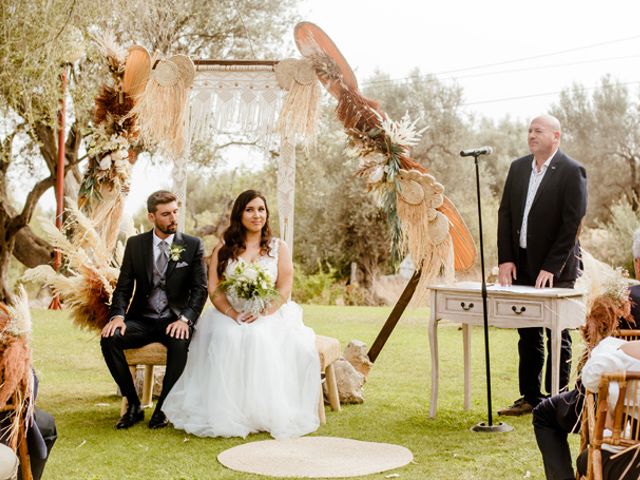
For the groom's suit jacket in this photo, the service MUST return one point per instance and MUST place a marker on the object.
(186, 278)
(554, 221)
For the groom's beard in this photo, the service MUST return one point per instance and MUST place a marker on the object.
(169, 229)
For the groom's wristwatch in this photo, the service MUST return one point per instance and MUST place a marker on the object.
(184, 319)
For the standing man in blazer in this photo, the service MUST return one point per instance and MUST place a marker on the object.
(541, 213)
(167, 271)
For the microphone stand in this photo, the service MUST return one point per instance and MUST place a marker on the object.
(485, 426)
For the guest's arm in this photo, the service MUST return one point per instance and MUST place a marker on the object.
(604, 358)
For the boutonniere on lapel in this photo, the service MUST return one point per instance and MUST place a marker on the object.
(175, 251)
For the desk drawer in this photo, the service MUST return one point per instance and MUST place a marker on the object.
(468, 305)
(506, 308)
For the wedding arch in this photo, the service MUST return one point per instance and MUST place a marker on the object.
(247, 97)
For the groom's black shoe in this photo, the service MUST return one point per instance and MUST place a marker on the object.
(133, 415)
(158, 419)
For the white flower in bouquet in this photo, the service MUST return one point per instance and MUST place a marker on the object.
(105, 163)
(251, 283)
(251, 274)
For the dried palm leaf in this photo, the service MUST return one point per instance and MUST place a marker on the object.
(136, 71)
(464, 247)
(312, 40)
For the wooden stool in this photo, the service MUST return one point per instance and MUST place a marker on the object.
(149, 355)
(19, 443)
(328, 351)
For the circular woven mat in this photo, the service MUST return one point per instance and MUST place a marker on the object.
(315, 457)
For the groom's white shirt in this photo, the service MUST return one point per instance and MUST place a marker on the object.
(156, 242)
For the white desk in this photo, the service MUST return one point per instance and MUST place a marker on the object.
(508, 307)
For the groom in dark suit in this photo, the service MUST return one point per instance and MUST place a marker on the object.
(167, 271)
(541, 213)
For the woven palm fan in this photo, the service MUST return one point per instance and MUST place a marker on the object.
(186, 67)
(464, 247)
(136, 71)
(161, 106)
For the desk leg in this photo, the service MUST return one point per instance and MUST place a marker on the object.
(466, 347)
(556, 340)
(433, 344)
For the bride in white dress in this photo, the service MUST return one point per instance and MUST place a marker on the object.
(248, 373)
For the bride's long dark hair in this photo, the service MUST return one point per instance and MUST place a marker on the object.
(235, 235)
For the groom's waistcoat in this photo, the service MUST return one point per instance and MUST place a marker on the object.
(158, 303)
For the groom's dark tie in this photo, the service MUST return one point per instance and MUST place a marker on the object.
(163, 257)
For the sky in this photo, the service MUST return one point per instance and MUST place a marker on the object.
(530, 50)
(510, 57)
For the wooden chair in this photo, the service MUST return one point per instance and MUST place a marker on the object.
(19, 443)
(149, 356)
(328, 351)
(628, 335)
(622, 420)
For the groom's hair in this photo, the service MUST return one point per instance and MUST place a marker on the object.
(160, 198)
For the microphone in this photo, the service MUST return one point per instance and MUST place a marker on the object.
(475, 152)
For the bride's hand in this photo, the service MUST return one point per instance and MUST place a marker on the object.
(246, 317)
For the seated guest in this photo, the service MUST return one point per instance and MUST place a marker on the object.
(41, 435)
(8, 463)
(612, 355)
(555, 417)
(16, 375)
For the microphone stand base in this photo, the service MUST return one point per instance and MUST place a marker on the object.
(495, 428)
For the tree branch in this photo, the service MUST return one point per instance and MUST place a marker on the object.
(30, 203)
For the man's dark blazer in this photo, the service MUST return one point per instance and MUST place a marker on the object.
(554, 220)
(186, 279)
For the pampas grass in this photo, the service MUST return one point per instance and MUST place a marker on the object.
(93, 258)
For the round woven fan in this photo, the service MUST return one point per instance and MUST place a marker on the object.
(186, 67)
(136, 70)
(312, 41)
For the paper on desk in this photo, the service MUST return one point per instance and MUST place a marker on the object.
(512, 288)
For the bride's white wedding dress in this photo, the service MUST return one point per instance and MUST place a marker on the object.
(250, 377)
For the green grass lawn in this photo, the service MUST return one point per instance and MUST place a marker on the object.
(76, 388)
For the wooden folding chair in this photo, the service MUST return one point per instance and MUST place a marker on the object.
(628, 335)
(19, 442)
(621, 420)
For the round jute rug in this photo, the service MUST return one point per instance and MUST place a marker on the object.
(315, 457)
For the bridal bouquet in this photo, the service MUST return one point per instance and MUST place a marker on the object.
(251, 283)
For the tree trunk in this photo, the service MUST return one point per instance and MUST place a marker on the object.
(31, 250)
(6, 247)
